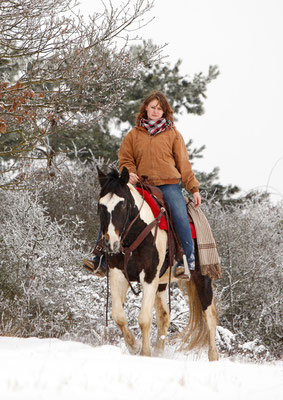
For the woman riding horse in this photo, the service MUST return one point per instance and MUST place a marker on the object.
(136, 248)
(156, 149)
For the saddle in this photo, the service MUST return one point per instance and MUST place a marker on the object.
(175, 250)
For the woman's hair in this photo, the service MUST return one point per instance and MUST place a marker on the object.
(163, 102)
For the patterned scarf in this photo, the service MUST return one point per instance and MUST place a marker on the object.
(154, 127)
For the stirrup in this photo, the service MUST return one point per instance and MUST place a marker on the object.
(99, 264)
(90, 265)
(181, 274)
(186, 274)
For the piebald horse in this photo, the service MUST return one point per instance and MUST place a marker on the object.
(119, 203)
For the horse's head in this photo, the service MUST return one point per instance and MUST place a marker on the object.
(114, 207)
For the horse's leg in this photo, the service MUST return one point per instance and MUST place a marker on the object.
(162, 317)
(205, 293)
(201, 329)
(210, 317)
(119, 287)
(145, 316)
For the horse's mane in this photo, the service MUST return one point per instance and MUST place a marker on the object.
(113, 174)
(112, 181)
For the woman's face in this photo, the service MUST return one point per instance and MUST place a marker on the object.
(154, 111)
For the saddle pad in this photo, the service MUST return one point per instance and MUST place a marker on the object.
(155, 209)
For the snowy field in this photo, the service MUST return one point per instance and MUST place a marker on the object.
(53, 369)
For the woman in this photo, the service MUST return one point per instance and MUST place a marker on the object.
(156, 149)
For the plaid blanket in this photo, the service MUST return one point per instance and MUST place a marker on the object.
(208, 255)
(154, 127)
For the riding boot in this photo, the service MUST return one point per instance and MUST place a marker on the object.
(97, 264)
(182, 269)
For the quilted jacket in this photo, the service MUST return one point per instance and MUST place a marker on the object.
(163, 157)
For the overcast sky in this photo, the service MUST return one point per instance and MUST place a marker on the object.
(242, 127)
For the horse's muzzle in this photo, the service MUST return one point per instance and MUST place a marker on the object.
(114, 247)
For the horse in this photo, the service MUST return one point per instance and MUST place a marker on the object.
(120, 203)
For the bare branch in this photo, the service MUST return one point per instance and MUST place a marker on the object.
(58, 69)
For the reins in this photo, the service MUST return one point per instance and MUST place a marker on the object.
(127, 251)
(134, 220)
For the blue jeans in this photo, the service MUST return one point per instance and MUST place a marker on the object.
(174, 198)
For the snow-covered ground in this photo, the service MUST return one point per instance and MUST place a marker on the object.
(53, 369)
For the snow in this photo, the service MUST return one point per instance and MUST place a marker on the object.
(224, 335)
(54, 369)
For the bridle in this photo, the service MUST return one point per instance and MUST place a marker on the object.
(127, 251)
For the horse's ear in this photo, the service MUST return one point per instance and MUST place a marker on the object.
(124, 179)
(101, 176)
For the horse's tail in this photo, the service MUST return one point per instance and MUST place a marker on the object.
(196, 334)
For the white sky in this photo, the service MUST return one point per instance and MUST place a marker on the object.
(242, 127)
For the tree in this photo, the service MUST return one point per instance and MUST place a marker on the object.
(69, 71)
(44, 234)
(184, 94)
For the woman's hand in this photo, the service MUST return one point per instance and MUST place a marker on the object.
(197, 199)
(133, 178)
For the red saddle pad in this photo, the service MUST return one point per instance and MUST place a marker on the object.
(154, 208)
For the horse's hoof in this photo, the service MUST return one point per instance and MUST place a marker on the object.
(146, 353)
(159, 346)
(158, 351)
(135, 349)
(213, 355)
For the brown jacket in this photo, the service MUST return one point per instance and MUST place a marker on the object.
(163, 157)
